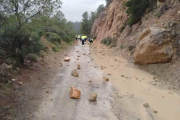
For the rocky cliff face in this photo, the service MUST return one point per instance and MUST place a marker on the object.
(154, 39)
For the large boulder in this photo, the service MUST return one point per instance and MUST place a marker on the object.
(154, 46)
(75, 93)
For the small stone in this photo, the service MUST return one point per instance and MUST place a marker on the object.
(122, 75)
(47, 91)
(67, 59)
(54, 115)
(93, 96)
(20, 83)
(155, 111)
(90, 80)
(154, 78)
(74, 73)
(106, 79)
(146, 105)
(109, 74)
(78, 66)
(13, 80)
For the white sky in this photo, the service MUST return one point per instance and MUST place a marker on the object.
(73, 9)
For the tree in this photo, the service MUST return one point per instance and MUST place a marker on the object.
(85, 25)
(136, 8)
(17, 14)
(100, 8)
(108, 2)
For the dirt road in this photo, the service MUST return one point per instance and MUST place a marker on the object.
(59, 106)
(121, 98)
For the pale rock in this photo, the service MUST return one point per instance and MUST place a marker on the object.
(93, 96)
(67, 59)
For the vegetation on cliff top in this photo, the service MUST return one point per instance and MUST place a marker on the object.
(136, 8)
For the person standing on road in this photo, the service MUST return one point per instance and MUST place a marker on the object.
(83, 39)
(76, 37)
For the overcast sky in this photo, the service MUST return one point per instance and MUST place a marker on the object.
(73, 9)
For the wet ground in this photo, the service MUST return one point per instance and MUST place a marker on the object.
(58, 104)
(121, 98)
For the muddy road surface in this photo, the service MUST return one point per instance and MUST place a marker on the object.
(59, 106)
(131, 93)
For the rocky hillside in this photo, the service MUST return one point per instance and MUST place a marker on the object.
(154, 39)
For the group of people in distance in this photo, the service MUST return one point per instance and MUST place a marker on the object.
(83, 39)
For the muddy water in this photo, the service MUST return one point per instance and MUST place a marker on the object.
(134, 88)
(59, 106)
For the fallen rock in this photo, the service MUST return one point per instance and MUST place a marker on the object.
(74, 73)
(78, 66)
(67, 59)
(75, 93)
(155, 46)
(106, 79)
(109, 74)
(146, 105)
(90, 80)
(20, 83)
(93, 96)
(155, 111)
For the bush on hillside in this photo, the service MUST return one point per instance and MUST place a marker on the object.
(136, 8)
(107, 41)
(114, 42)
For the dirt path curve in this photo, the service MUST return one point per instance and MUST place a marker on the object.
(59, 106)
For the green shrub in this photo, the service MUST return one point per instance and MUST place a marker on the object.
(42, 54)
(39, 32)
(54, 38)
(108, 41)
(55, 48)
(33, 57)
(11, 61)
(66, 39)
(136, 8)
(122, 46)
(114, 42)
(161, 11)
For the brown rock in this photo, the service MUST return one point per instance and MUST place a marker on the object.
(155, 46)
(106, 79)
(75, 93)
(78, 66)
(146, 105)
